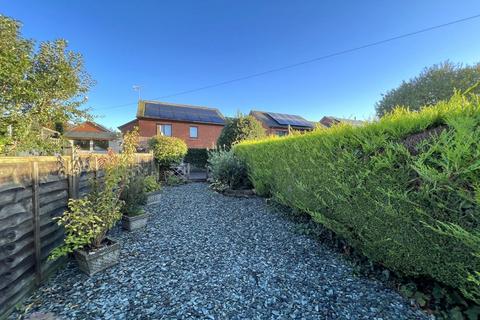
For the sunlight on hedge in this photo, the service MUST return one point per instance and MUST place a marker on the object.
(404, 190)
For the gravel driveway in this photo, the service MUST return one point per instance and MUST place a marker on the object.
(207, 256)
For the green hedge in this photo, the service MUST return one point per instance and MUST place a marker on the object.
(404, 190)
(197, 157)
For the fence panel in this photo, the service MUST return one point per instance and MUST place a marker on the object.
(33, 191)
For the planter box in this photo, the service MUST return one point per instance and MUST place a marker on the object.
(134, 223)
(98, 260)
(153, 197)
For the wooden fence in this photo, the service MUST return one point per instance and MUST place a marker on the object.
(34, 190)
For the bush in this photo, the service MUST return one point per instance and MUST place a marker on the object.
(228, 170)
(404, 191)
(134, 196)
(168, 151)
(433, 85)
(151, 184)
(197, 157)
(88, 219)
(240, 129)
(174, 180)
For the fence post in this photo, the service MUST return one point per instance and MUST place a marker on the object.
(36, 222)
(152, 165)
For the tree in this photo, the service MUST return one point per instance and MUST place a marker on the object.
(40, 86)
(167, 151)
(239, 129)
(434, 84)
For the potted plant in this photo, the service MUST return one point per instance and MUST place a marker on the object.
(134, 196)
(88, 219)
(152, 188)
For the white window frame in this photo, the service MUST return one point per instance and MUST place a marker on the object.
(190, 132)
(161, 129)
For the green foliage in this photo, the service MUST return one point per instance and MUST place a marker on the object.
(167, 151)
(134, 196)
(150, 184)
(404, 191)
(228, 169)
(88, 219)
(239, 129)
(433, 85)
(41, 84)
(197, 157)
(173, 180)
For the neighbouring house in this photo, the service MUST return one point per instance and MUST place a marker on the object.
(93, 137)
(279, 124)
(199, 127)
(329, 121)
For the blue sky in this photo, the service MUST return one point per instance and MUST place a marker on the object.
(172, 46)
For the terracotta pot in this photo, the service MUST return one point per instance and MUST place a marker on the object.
(95, 261)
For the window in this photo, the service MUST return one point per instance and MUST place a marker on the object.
(82, 144)
(281, 133)
(100, 145)
(193, 132)
(164, 129)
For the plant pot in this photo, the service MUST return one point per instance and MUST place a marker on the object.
(153, 197)
(95, 261)
(135, 222)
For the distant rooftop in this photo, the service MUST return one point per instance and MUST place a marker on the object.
(179, 112)
(89, 130)
(329, 121)
(282, 120)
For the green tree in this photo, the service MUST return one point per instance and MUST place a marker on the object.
(239, 129)
(167, 151)
(41, 84)
(434, 84)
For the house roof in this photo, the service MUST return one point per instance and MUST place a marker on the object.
(90, 130)
(126, 124)
(329, 121)
(282, 120)
(179, 112)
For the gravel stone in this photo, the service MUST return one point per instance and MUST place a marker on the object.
(204, 255)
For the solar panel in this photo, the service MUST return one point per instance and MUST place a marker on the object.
(182, 113)
(290, 120)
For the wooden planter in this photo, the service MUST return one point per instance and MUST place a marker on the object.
(134, 223)
(98, 260)
(153, 197)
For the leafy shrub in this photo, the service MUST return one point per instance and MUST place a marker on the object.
(404, 191)
(88, 219)
(167, 151)
(197, 157)
(150, 184)
(432, 85)
(173, 180)
(134, 196)
(239, 129)
(227, 169)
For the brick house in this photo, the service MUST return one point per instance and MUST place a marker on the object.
(92, 137)
(329, 121)
(279, 123)
(199, 127)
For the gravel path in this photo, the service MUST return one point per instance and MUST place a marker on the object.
(207, 256)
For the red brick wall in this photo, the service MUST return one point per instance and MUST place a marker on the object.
(207, 133)
(129, 126)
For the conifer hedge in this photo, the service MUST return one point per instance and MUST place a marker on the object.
(404, 190)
